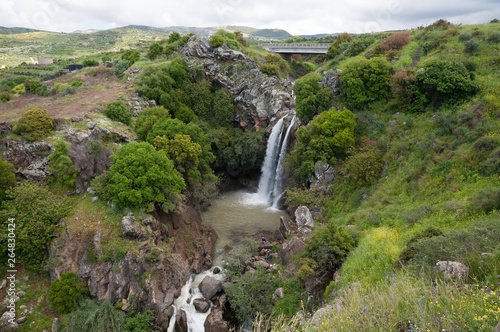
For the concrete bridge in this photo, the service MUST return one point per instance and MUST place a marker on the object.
(287, 50)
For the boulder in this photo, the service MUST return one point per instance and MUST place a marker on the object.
(210, 286)
(215, 322)
(279, 293)
(54, 324)
(261, 264)
(181, 321)
(294, 246)
(324, 173)
(91, 125)
(331, 80)
(132, 229)
(37, 171)
(320, 315)
(453, 269)
(497, 328)
(304, 220)
(201, 305)
(284, 227)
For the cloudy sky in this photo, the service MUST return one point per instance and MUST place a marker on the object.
(297, 17)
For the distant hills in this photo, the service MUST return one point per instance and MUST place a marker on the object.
(12, 31)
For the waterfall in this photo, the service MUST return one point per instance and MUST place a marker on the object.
(278, 180)
(268, 169)
(271, 181)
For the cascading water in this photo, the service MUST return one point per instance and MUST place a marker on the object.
(268, 170)
(278, 189)
(190, 292)
(271, 181)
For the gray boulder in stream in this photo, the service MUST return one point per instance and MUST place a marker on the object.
(201, 305)
(210, 286)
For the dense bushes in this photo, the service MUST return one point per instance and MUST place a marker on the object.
(364, 165)
(446, 80)
(37, 212)
(275, 65)
(34, 124)
(90, 63)
(155, 50)
(61, 166)
(64, 293)
(246, 152)
(141, 175)
(311, 98)
(118, 111)
(365, 81)
(330, 135)
(147, 118)
(216, 41)
(94, 316)
(7, 178)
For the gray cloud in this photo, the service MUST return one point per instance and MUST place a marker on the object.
(297, 17)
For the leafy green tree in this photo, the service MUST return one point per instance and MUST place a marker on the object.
(223, 108)
(329, 136)
(141, 322)
(173, 37)
(216, 41)
(172, 127)
(131, 55)
(365, 81)
(34, 124)
(37, 212)
(94, 316)
(332, 52)
(198, 96)
(310, 97)
(270, 70)
(329, 247)
(241, 39)
(141, 175)
(7, 178)
(155, 49)
(118, 111)
(148, 117)
(65, 293)
(90, 63)
(121, 66)
(364, 165)
(447, 80)
(355, 47)
(246, 152)
(170, 49)
(341, 39)
(61, 166)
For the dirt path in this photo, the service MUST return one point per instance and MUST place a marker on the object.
(95, 92)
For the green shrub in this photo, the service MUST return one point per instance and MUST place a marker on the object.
(131, 55)
(486, 200)
(311, 98)
(409, 251)
(18, 89)
(35, 226)
(121, 66)
(494, 37)
(170, 49)
(278, 61)
(76, 82)
(61, 166)
(101, 185)
(406, 91)
(332, 52)
(34, 124)
(355, 47)
(118, 111)
(443, 80)
(365, 81)
(94, 316)
(147, 118)
(216, 41)
(223, 108)
(140, 175)
(173, 37)
(364, 165)
(471, 46)
(247, 151)
(155, 49)
(7, 178)
(5, 96)
(141, 322)
(491, 165)
(235, 260)
(270, 70)
(68, 90)
(90, 63)
(65, 293)
(463, 37)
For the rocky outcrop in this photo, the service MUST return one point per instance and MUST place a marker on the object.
(30, 160)
(304, 220)
(131, 229)
(294, 246)
(258, 97)
(201, 305)
(453, 269)
(331, 80)
(215, 322)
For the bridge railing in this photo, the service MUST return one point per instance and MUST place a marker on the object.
(295, 45)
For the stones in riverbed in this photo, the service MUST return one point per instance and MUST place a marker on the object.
(210, 286)
(201, 305)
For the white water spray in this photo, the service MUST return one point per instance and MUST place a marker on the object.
(278, 189)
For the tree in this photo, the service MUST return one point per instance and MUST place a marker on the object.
(364, 165)
(342, 38)
(7, 178)
(94, 316)
(34, 124)
(90, 63)
(216, 41)
(311, 98)
(118, 111)
(173, 37)
(365, 81)
(61, 166)
(223, 108)
(140, 175)
(64, 293)
(330, 135)
(155, 49)
(148, 117)
(37, 213)
(131, 55)
(332, 52)
(355, 47)
(246, 152)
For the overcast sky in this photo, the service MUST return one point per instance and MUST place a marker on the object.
(297, 17)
